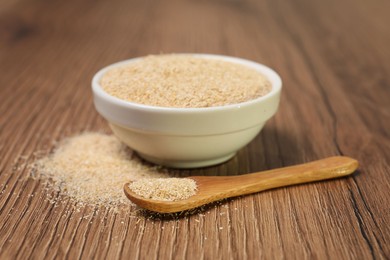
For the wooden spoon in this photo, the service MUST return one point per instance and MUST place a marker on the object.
(214, 188)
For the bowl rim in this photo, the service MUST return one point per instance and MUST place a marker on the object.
(272, 76)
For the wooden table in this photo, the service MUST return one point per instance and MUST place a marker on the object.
(333, 57)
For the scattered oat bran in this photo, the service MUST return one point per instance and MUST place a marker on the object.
(166, 189)
(92, 169)
(184, 81)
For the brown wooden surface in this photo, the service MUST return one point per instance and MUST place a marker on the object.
(333, 57)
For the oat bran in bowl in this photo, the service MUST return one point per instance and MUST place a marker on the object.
(186, 110)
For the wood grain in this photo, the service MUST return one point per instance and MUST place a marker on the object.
(333, 59)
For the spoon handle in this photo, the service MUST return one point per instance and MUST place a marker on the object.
(329, 168)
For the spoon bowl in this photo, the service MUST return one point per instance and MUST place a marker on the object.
(214, 188)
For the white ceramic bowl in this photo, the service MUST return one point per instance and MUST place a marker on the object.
(188, 137)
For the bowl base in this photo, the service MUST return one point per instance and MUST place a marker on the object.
(186, 164)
